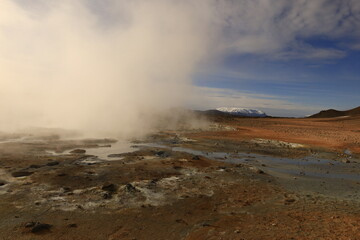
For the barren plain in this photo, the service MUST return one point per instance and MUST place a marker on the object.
(244, 178)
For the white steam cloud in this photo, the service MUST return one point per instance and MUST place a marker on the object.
(105, 66)
(66, 64)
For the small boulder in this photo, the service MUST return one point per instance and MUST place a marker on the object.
(34, 166)
(78, 151)
(21, 174)
(110, 187)
(162, 154)
(40, 227)
(30, 224)
(54, 163)
(130, 188)
(107, 195)
(115, 155)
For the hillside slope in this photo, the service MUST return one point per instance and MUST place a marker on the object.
(331, 113)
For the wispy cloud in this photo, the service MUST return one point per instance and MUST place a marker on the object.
(267, 27)
(210, 98)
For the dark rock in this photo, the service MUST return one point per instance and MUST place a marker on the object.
(61, 174)
(41, 227)
(177, 167)
(162, 154)
(30, 224)
(34, 166)
(107, 145)
(196, 158)
(107, 195)
(115, 155)
(259, 171)
(72, 225)
(2, 183)
(66, 189)
(181, 221)
(288, 201)
(111, 188)
(52, 163)
(21, 174)
(152, 183)
(205, 224)
(130, 188)
(78, 151)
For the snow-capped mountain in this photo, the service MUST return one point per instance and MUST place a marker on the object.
(242, 112)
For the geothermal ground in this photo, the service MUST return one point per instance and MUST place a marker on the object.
(245, 178)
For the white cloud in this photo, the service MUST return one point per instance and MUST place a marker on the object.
(268, 27)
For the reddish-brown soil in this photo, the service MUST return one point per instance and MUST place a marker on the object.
(157, 193)
(332, 133)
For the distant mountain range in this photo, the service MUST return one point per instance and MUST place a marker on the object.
(242, 112)
(332, 113)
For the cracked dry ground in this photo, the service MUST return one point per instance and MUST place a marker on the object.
(147, 195)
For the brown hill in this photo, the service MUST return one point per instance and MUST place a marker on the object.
(331, 113)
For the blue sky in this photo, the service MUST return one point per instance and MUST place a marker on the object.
(313, 63)
(333, 83)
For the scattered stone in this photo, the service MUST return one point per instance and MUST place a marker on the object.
(181, 221)
(259, 171)
(111, 188)
(21, 174)
(162, 154)
(196, 158)
(205, 224)
(288, 201)
(30, 224)
(41, 227)
(34, 166)
(54, 163)
(346, 161)
(115, 155)
(105, 146)
(152, 183)
(72, 225)
(130, 188)
(107, 195)
(78, 151)
(66, 189)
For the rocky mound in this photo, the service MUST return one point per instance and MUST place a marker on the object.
(332, 113)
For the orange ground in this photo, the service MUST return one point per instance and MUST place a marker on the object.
(335, 134)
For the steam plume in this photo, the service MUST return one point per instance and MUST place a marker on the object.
(103, 68)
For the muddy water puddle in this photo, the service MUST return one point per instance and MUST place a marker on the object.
(308, 174)
(102, 152)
